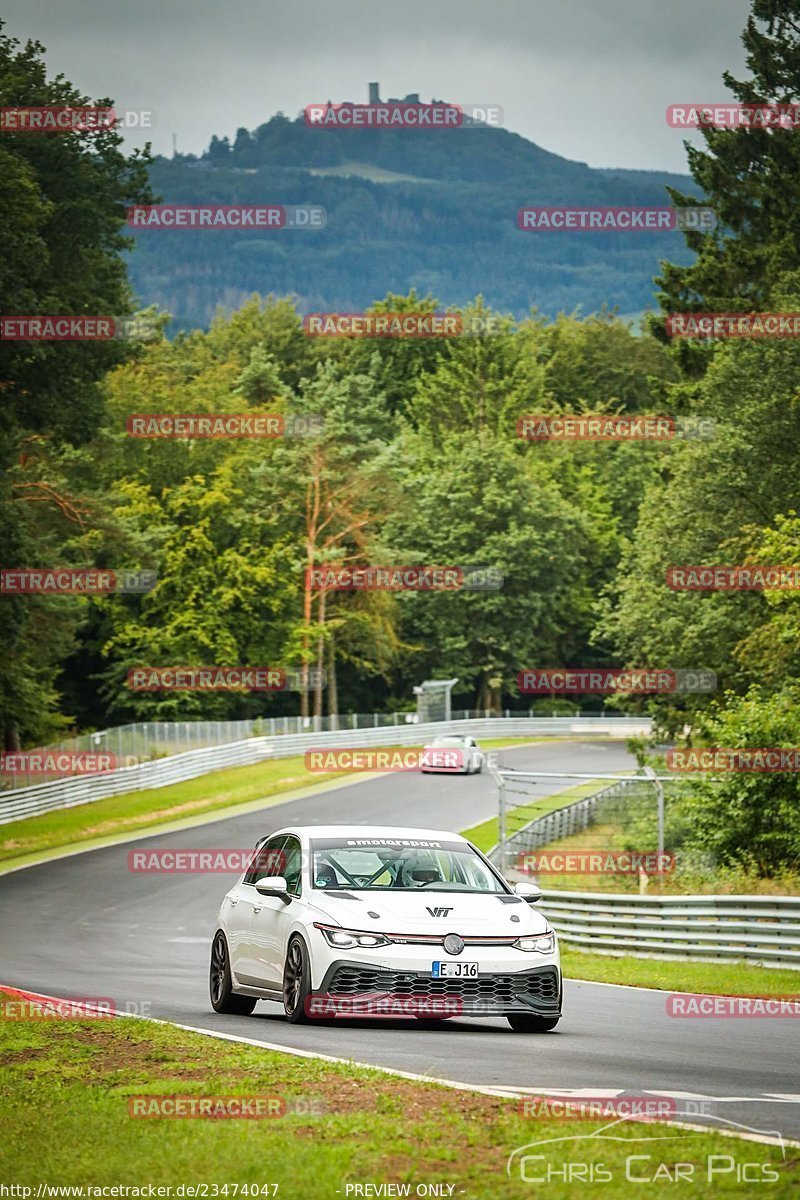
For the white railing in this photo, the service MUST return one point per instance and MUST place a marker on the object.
(66, 793)
(145, 740)
(63, 793)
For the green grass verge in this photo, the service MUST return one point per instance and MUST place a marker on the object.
(67, 1087)
(717, 979)
(485, 835)
(104, 820)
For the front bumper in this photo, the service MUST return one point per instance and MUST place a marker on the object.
(357, 986)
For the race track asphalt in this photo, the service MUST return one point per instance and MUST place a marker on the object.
(87, 926)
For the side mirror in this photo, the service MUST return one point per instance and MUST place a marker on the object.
(528, 891)
(272, 885)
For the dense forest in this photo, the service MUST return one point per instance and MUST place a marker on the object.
(417, 458)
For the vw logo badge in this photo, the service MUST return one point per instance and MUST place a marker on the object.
(453, 944)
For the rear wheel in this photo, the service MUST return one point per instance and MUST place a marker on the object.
(223, 997)
(529, 1023)
(296, 982)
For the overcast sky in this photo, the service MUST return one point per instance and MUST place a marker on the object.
(587, 79)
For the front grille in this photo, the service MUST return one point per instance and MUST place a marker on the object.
(535, 990)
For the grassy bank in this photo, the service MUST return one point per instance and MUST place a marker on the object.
(689, 874)
(717, 979)
(68, 1087)
(485, 835)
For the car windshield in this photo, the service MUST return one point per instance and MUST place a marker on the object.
(449, 741)
(400, 864)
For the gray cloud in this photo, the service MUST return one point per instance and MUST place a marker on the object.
(588, 79)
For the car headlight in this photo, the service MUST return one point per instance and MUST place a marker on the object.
(345, 939)
(541, 943)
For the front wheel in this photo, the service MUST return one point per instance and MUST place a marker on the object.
(223, 997)
(296, 982)
(529, 1023)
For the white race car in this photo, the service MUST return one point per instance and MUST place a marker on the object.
(454, 754)
(348, 920)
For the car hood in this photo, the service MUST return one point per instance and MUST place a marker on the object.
(426, 911)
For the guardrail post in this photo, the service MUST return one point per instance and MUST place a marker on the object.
(501, 821)
(660, 799)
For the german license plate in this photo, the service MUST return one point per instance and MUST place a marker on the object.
(454, 970)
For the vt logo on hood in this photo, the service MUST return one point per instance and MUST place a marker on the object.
(438, 912)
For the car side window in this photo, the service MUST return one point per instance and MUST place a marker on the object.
(292, 869)
(267, 859)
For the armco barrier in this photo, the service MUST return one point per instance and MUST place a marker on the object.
(64, 793)
(764, 930)
(761, 929)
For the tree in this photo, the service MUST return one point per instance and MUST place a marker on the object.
(751, 178)
(751, 819)
(710, 506)
(478, 509)
(336, 480)
(63, 197)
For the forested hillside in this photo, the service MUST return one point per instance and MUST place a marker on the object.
(418, 460)
(445, 224)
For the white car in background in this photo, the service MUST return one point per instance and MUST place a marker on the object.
(454, 754)
(351, 920)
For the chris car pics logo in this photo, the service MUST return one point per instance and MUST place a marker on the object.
(621, 1150)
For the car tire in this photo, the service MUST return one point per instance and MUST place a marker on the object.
(296, 982)
(529, 1023)
(223, 998)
